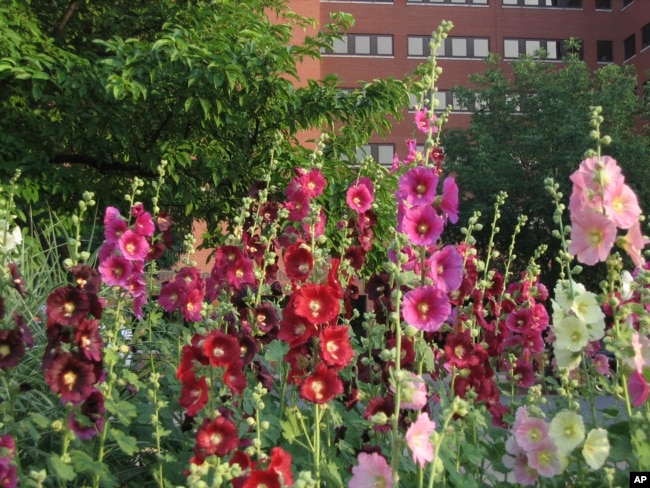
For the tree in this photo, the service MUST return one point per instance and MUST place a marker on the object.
(94, 94)
(533, 123)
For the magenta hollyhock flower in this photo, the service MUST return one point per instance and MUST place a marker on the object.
(592, 236)
(115, 270)
(144, 224)
(134, 246)
(418, 186)
(322, 385)
(216, 437)
(312, 183)
(418, 438)
(172, 295)
(241, 273)
(89, 420)
(114, 227)
(621, 204)
(447, 267)
(372, 470)
(424, 121)
(298, 207)
(639, 389)
(422, 225)
(426, 308)
(359, 197)
(335, 348)
(193, 305)
(72, 376)
(519, 320)
(412, 146)
(448, 202)
(523, 373)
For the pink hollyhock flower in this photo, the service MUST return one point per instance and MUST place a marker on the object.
(447, 267)
(426, 308)
(241, 273)
(641, 347)
(418, 186)
(601, 364)
(633, 243)
(412, 155)
(144, 224)
(530, 432)
(639, 388)
(592, 236)
(448, 202)
(134, 246)
(115, 270)
(424, 121)
(544, 459)
(418, 438)
(298, 207)
(517, 460)
(596, 174)
(312, 183)
(322, 385)
(621, 204)
(335, 348)
(422, 225)
(414, 391)
(372, 471)
(359, 197)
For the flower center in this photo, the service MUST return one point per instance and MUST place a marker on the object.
(459, 352)
(422, 228)
(217, 352)
(215, 439)
(5, 350)
(68, 309)
(69, 379)
(317, 388)
(420, 189)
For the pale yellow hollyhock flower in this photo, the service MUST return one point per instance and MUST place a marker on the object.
(9, 239)
(571, 333)
(565, 359)
(567, 430)
(596, 448)
(585, 306)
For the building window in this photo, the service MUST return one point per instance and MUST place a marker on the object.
(629, 45)
(645, 36)
(603, 4)
(382, 153)
(553, 49)
(454, 2)
(362, 45)
(452, 47)
(544, 3)
(605, 51)
(627, 2)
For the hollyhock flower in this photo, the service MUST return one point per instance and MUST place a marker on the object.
(359, 197)
(592, 236)
(571, 333)
(17, 281)
(144, 224)
(90, 419)
(281, 464)
(601, 364)
(565, 359)
(595, 174)
(447, 267)
(380, 407)
(372, 471)
(378, 285)
(424, 121)
(192, 358)
(294, 329)
(72, 376)
(266, 316)
(641, 347)
(459, 349)
(220, 348)
(67, 305)
(115, 270)
(172, 295)
(234, 377)
(134, 246)
(414, 390)
(322, 385)
(596, 448)
(422, 225)
(89, 340)
(12, 348)
(192, 305)
(544, 459)
(317, 303)
(241, 273)
(194, 394)
(567, 430)
(298, 261)
(517, 460)
(299, 359)
(586, 308)
(426, 308)
(298, 207)
(621, 204)
(335, 348)
(530, 431)
(523, 373)
(356, 256)
(312, 183)
(447, 203)
(418, 186)
(318, 227)
(633, 244)
(520, 320)
(639, 388)
(418, 438)
(216, 437)
(9, 239)
(263, 479)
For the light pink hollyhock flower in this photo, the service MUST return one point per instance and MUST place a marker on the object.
(544, 459)
(414, 391)
(359, 197)
(448, 202)
(372, 471)
(426, 308)
(621, 204)
(517, 460)
(134, 246)
(424, 122)
(422, 225)
(639, 389)
(601, 364)
(418, 438)
(592, 236)
(641, 347)
(597, 173)
(633, 243)
(447, 268)
(418, 186)
(529, 431)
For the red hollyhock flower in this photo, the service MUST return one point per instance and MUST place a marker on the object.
(298, 261)
(317, 303)
(89, 339)
(67, 305)
(194, 394)
(356, 256)
(245, 464)
(335, 348)
(234, 377)
(295, 330)
(216, 436)
(281, 464)
(221, 349)
(459, 350)
(192, 358)
(299, 359)
(263, 479)
(322, 385)
(72, 376)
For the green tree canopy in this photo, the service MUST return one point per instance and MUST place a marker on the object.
(533, 123)
(93, 94)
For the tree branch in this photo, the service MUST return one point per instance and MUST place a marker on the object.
(101, 166)
(58, 30)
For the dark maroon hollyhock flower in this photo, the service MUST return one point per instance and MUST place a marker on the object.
(90, 418)
(408, 350)
(317, 303)
(523, 374)
(194, 394)
(248, 347)
(298, 261)
(263, 479)
(89, 339)
(356, 256)
(17, 281)
(378, 285)
(221, 349)
(72, 376)
(67, 305)
(164, 221)
(281, 464)
(22, 327)
(299, 360)
(12, 348)
(269, 212)
(86, 278)
(266, 316)
(216, 437)
(192, 359)
(322, 385)
(335, 348)
(156, 250)
(380, 405)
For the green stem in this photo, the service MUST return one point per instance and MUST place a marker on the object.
(317, 453)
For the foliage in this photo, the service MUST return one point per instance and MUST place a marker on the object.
(530, 124)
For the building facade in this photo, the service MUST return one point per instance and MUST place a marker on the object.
(391, 37)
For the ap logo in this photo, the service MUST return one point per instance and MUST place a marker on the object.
(640, 479)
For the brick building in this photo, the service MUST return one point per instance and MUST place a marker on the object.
(391, 37)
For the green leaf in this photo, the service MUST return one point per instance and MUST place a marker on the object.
(60, 469)
(128, 444)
